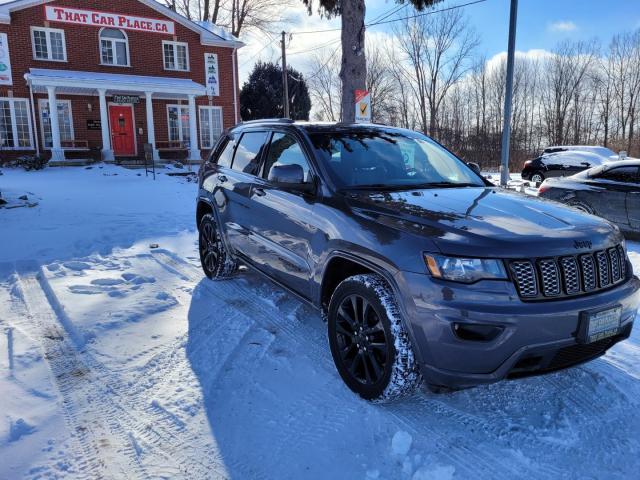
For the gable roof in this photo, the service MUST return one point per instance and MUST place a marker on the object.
(210, 34)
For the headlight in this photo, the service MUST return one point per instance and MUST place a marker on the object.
(465, 270)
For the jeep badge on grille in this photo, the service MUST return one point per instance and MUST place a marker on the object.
(579, 244)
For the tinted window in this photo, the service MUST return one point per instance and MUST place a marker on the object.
(621, 174)
(248, 152)
(365, 157)
(225, 157)
(285, 150)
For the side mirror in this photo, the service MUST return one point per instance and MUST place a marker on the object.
(291, 176)
(475, 167)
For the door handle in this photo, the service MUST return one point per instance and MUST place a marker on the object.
(259, 192)
(222, 178)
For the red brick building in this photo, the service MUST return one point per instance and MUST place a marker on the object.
(119, 73)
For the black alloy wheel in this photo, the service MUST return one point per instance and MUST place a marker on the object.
(362, 342)
(216, 261)
(209, 251)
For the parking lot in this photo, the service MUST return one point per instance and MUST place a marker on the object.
(121, 358)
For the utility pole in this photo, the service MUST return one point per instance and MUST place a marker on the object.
(285, 84)
(508, 96)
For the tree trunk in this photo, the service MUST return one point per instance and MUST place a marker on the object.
(353, 72)
(205, 11)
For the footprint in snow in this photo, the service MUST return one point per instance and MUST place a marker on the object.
(106, 282)
(76, 266)
(137, 279)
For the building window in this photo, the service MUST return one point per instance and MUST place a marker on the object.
(65, 122)
(114, 47)
(176, 56)
(49, 44)
(15, 124)
(210, 126)
(178, 116)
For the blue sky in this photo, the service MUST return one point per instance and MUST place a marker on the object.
(541, 25)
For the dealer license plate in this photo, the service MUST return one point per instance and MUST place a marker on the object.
(603, 324)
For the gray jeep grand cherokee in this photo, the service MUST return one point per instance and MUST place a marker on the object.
(421, 268)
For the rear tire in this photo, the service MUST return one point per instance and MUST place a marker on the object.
(537, 177)
(582, 206)
(369, 343)
(216, 262)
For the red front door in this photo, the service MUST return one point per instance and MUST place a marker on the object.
(122, 134)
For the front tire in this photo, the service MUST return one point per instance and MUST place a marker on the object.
(582, 206)
(369, 343)
(216, 262)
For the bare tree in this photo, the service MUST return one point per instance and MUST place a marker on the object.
(324, 85)
(380, 83)
(566, 71)
(439, 50)
(237, 15)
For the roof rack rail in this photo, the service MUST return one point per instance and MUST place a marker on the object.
(268, 120)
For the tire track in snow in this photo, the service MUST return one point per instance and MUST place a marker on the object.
(103, 396)
(233, 334)
(411, 412)
(103, 444)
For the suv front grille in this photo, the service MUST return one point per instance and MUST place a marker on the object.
(570, 275)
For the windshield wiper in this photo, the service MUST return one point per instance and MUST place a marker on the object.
(383, 187)
(449, 185)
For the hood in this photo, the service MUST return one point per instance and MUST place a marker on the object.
(488, 222)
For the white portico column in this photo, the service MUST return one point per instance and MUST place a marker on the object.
(107, 151)
(57, 154)
(151, 132)
(194, 151)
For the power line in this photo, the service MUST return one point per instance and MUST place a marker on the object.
(332, 42)
(382, 22)
(429, 13)
(257, 53)
(391, 12)
(323, 66)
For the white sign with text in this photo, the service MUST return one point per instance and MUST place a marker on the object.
(94, 18)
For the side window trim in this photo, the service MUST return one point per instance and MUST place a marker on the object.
(261, 153)
(303, 150)
(265, 156)
(218, 148)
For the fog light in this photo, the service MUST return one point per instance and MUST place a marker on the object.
(476, 333)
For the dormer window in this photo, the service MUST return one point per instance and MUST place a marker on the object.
(114, 47)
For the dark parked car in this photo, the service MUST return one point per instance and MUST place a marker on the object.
(560, 164)
(611, 191)
(604, 152)
(421, 268)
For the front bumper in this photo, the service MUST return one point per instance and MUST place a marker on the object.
(537, 336)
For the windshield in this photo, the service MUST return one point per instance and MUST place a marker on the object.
(362, 158)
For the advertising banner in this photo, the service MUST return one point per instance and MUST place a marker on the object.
(5, 61)
(211, 71)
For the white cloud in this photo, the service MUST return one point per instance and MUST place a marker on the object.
(533, 54)
(296, 19)
(562, 26)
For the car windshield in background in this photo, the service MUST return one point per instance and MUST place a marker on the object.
(371, 158)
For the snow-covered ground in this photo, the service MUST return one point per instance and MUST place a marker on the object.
(119, 360)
